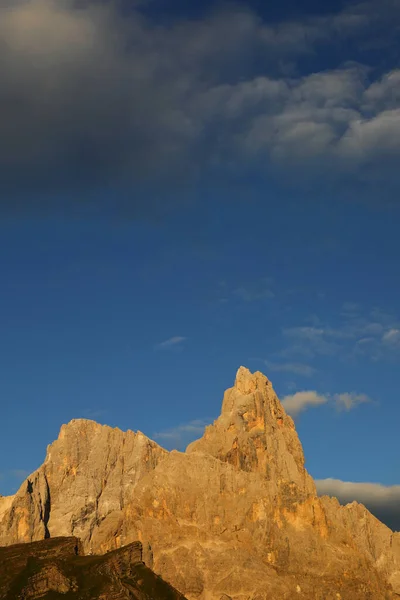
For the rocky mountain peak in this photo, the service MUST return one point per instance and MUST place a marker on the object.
(255, 434)
(242, 490)
(253, 400)
(247, 382)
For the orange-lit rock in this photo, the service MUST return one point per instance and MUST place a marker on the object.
(235, 516)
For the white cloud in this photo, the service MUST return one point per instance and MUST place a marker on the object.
(391, 337)
(381, 500)
(371, 334)
(172, 342)
(363, 491)
(348, 401)
(385, 92)
(315, 340)
(300, 401)
(367, 138)
(323, 116)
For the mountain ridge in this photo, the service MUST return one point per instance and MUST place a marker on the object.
(240, 490)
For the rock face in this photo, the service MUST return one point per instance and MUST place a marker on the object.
(254, 434)
(53, 567)
(235, 516)
(89, 474)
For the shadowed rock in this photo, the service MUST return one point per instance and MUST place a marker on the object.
(56, 567)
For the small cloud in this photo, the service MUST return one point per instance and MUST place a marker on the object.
(383, 501)
(300, 401)
(312, 340)
(296, 403)
(315, 333)
(296, 368)
(348, 401)
(373, 334)
(179, 437)
(365, 340)
(391, 337)
(171, 342)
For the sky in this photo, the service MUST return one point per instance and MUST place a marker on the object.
(187, 189)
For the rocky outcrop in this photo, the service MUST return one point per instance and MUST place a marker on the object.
(35, 570)
(237, 514)
(89, 474)
(254, 434)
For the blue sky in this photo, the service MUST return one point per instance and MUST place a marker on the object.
(183, 191)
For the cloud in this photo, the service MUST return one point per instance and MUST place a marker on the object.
(297, 403)
(372, 334)
(348, 401)
(172, 342)
(382, 501)
(315, 340)
(251, 291)
(296, 368)
(101, 105)
(179, 437)
(300, 401)
(391, 337)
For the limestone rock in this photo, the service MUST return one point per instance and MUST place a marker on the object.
(255, 434)
(89, 474)
(235, 516)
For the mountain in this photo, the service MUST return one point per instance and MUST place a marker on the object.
(55, 568)
(235, 516)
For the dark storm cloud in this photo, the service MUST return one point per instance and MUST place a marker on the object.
(94, 103)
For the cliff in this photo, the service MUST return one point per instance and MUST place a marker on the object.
(235, 516)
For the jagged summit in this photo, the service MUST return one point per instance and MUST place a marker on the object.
(241, 394)
(90, 426)
(254, 433)
(81, 422)
(253, 399)
(242, 490)
(247, 382)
